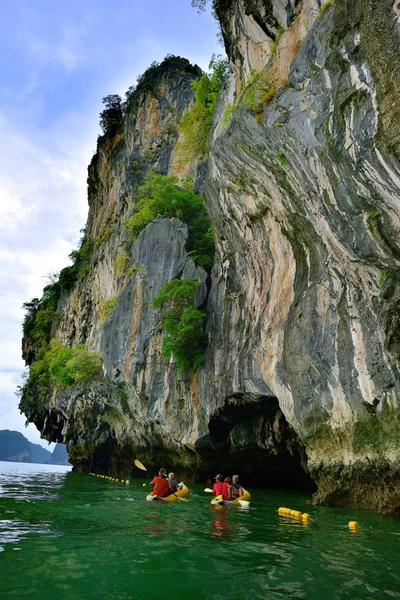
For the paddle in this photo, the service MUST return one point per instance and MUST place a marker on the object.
(208, 490)
(139, 465)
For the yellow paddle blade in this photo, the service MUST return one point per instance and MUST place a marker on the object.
(139, 465)
(208, 490)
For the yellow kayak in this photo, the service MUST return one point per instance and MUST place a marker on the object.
(244, 499)
(179, 495)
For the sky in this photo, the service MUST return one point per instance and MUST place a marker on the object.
(57, 61)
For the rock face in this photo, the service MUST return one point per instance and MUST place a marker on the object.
(310, 194)
(302, 188)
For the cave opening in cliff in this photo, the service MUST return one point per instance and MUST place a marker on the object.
(251, 436)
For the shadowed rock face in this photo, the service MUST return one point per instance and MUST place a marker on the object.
(302, 188)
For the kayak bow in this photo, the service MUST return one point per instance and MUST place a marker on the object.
(179, 495)
(242, 501)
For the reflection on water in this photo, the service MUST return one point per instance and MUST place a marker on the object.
(31, 482)
(15, 530)
(220, 526)
(155, 526)
(26, 483)
(69, 536)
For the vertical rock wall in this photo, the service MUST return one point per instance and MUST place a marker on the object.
(304, 195)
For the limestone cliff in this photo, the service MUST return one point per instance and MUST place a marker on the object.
(302, 187)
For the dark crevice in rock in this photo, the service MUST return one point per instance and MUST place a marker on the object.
(264, 27)
(250, 435)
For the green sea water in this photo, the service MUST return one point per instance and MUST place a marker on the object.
(69, 536)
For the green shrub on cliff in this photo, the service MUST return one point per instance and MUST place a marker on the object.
(195, 124)
(41, 313)
(228, 113)
(120, 265)
(186, 339)
(258, 92)
(107, 306)
(80, 262)
(60, 366)
(166, 196)
(324, 7)
(38, 321)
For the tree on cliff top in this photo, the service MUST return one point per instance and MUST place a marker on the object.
(200, 4)
(111, 117)
(215, 4)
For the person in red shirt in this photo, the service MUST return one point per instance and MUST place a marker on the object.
(221, 487)
(160, 482)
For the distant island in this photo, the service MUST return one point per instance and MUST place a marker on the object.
(15, 447)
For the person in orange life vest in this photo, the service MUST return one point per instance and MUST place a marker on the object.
(221, 487)
(161, 487)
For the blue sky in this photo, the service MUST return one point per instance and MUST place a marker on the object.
(57, 60)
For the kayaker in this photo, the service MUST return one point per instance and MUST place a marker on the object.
(173, 484)
(221, 487)
(161, 487)
(231, 495)
(237, 487)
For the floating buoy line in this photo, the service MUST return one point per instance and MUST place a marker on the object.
(115, 479)
(296, 514)
(305, 517)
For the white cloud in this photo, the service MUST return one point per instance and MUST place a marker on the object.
(42, 207)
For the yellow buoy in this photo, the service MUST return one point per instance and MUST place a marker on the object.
(127, 482)
(143, 485)
(305, 517)
(297, 514)
(283, 511)
(353, 525)
(117, 480)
